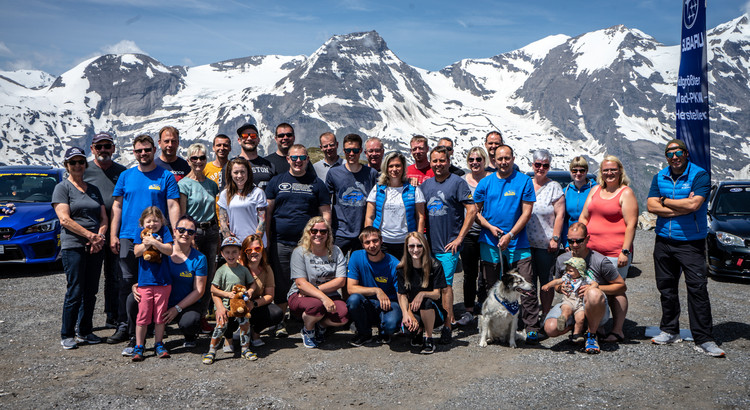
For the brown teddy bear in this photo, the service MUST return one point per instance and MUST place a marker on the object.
(151, 254)
(237, 304)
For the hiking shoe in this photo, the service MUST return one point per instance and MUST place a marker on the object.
(428, 347)
(206, 328)
(189, 344)
(577, 338)
(257, 342)
(445, 336)
(118, 337)
(281, 330)
(465, 319)
(532, 338)
(128, 350)
(666, 338)
(320, 333)
(710, 349)
(417, 339)
(90, 339)
(161, 350)
(360, 340)
(69, 343)
(308, 338)
(138, 353)
(592, 347)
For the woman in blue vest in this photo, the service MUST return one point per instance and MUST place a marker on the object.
(576, 193)
(394, 206)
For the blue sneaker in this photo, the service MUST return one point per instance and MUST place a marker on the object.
(161, 350)
(308, 338)
(532, 338)
(138, 353)
(592, 346)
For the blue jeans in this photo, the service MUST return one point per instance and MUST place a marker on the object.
(365, 312)
(82, 271)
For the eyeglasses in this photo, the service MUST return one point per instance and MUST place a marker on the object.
(353, 150)
(285, 134)
(182, 230)
(415, 246)
(102, 146)
(196, 158)
(577, 171)
(298, 157)
(76, 162)
(477, 159)
(540, 165)
(576, 241)
(255, 249)
(141, 150)
(677, 154)
(251, 136)
(318, 231)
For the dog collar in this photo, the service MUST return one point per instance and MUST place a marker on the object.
(512, 307)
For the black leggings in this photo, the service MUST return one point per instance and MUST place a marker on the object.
(470, 260)
(265, 316)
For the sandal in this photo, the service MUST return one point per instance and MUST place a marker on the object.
(249, 355)
(618, 338)
(209, 357)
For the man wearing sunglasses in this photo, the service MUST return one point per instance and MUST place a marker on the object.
(293, 197)
(284, 140)
(678, 198)
(349, 186)
(596, 299)
(103, 173)
(330, 147)
(138, 188)
(169, 144)
(448, 144)
(263, 169)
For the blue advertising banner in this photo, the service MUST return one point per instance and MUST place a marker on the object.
(692, 85)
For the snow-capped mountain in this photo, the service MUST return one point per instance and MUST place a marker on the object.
(607, 91)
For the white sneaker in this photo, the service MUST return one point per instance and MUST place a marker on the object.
(665, 338)
(710, 349)
(69, 343)
(257, 342)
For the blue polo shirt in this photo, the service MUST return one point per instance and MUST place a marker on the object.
(502, 199)
(370, 274)
(139, 191)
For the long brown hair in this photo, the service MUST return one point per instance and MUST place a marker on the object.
(232, 188)
(406, 263)
(263, 256)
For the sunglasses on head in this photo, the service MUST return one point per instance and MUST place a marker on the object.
(182, 230)
(477, 159)
(256, 249)
(285, 134)
(352, 150)
(415, 246)
(76, 162)
(140, 150)
(576, 241)
(540, 165)
(252, 136)
(195, 158)
(298, 157)
(677, 154)
(318, 231)
(577, 171)
(102, 146)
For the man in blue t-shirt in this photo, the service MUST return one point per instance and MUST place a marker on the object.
(294, 197)
(505, 200)
(373, 290)
(349, 186)
(136, 189)
(450, 214)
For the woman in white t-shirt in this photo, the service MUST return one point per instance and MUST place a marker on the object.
(394, 206)
(242, 205)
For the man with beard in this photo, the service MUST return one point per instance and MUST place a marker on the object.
(263, 170)
(169, 144)
(374, 152)
(448, 144)
(103, 173)
(330, 147)
(214, 170)
(284, 140)
(138, 188)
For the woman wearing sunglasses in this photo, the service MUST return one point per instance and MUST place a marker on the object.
(198, 200)
(576, 193)
(264, 314)
(545, 226)
(319, 271)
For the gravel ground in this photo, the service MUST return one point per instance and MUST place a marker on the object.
(38, 373)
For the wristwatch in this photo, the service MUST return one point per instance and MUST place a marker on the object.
(255, 303)
(511, 235)
(556, 238)
(626, 252)
(178, 308)
(662, 200)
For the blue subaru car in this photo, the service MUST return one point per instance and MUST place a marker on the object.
(29, 228)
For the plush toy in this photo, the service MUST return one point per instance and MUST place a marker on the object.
(238, 303)
(151, 254)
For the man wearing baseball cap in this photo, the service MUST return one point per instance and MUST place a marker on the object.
(678, 198)
(103, 172)
(263, 170)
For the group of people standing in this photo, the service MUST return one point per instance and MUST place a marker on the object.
(375, 243)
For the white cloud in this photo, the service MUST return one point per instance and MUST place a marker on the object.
(20, 65)
(187, 62)
(746, 8)
(123, 47)
(4, 50)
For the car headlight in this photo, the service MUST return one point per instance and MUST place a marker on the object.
(729, 240)
(42, 227)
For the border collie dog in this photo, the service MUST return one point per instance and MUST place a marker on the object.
(499, 319)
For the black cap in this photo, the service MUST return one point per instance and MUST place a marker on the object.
(102, 136)
(245, 127)
(74, 152)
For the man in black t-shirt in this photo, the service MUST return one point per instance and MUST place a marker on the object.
(284, 140)
(169, 143)
(263, 170)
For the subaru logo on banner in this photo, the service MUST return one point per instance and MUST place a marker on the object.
(692, 85)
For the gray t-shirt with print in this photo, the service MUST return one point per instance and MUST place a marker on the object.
(316, 269)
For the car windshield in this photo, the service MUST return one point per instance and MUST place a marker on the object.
(733, 200)
(26, 187)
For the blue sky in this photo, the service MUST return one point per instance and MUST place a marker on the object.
(55, 35)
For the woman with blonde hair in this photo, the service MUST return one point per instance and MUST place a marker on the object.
(420, 280)
(264, 314)
(318, 268)
(611, 216)
(576, 193)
